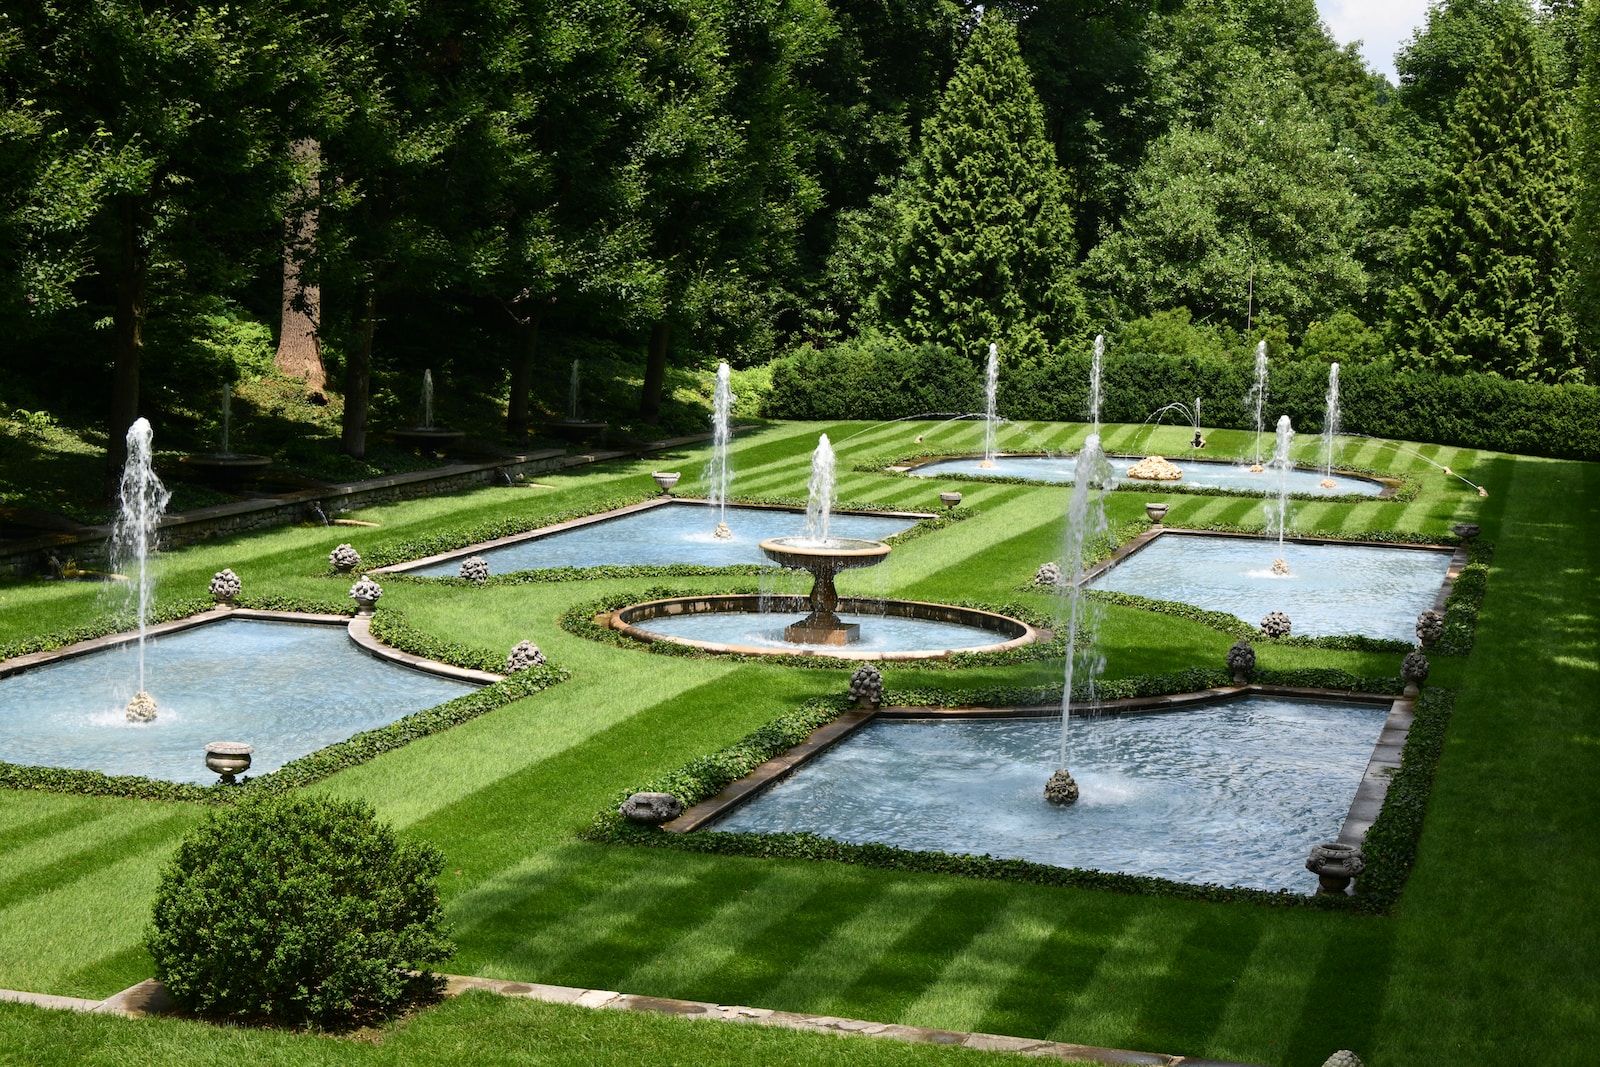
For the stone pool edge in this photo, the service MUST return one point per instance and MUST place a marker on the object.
(1371, 791)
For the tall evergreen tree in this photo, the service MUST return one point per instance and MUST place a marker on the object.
(985, 251)
(1485, 262)
(1583, 295)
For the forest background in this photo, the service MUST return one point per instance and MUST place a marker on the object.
(316, 205)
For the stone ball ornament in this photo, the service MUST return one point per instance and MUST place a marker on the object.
(1414, 671)
(1276, 625)
(1241, 661)
(866, 686)
(366, 593)
(1048, 574)
(344, 559)
(1343, 1058)
(225, 586)
(651, 809)
(475, 569)
(1430, 627)
(526, 654)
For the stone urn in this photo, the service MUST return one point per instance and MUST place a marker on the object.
(1156, 512)
(950, 500)
(1335, 865)
(665, 480)
(225, 586)
(651, 809)
(866, 686)
(366, 593)
(1466, 530)
(1414, 671)
(344, 559)
(228, 758)
(1241, 661)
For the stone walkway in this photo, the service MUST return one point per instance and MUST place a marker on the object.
(150, 998)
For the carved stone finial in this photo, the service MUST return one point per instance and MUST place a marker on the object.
(366, 593)
(475, 569)
(344, 559)
(1430, 627)
(225, 586)
(1048, 574)
(651, 809)
(1241, 661)
(1343, 1058)
(866, 686)
(1276, 624)
(1414, 671)
(1061, 789)
(142, 708)
(526, 654)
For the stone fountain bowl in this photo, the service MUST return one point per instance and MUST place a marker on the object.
(425, 436)
(225, 468)
(819, 553)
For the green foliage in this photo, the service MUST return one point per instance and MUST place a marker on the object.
(1485, 264)
(1253, 213)
(1583, 294)
(872, 377)
(986, 243)
(1413, 404)
(298, 910)
(1390, 846)
(1342, 338)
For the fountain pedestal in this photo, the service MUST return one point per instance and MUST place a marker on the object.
(824, 557)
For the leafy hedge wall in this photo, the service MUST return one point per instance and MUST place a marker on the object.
(877, 381)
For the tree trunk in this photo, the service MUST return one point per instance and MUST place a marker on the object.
(299, 344)
(127, 341)
(358, 380)
(655, 373)
(522, 381)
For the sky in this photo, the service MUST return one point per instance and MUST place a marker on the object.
(1382, 25)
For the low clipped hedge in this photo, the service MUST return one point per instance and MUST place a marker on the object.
(1392, 841)
(878, 380)
(315, 766)
(298, 910)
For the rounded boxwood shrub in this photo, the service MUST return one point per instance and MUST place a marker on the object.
(298, 910)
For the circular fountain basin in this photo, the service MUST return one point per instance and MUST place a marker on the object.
(425, 437)
(754, 625)
(225, 468)
(832, 553)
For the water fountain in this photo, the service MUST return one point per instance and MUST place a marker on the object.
(1256, 398)
(425, 433)
(225, 467)
(824, 557)
(1094, 382)
(991, 385)
(833, 626)
(141, 501)
(718, 474)
(1330, 423)
(1086, 520)
(574, 427)
(1276, 505)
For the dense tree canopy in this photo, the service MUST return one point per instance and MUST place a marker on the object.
(659, 183)
(1486, 263)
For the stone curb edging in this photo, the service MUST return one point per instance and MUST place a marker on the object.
(150, 998)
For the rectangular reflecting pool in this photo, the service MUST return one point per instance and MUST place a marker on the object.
(1372, 590)
(1232, 793)
(286, 688)
(676, 532)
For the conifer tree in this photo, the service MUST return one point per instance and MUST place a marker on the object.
(1583, 296)
(985, 250)
(1485, 264)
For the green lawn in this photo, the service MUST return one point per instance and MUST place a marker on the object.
(1490, 958)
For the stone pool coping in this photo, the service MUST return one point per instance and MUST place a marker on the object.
(623, 619)
(1371, 791)
(1460, 555)
(359, 630)
(1391, 486)
(605, 516)
(150, 998)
